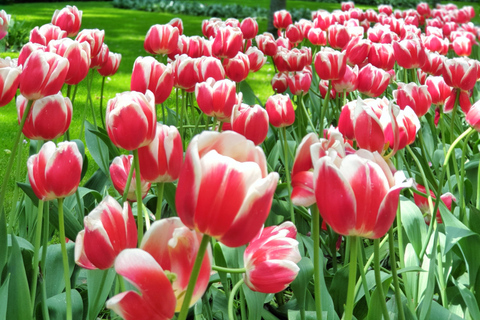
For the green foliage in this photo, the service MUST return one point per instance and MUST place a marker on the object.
(17, 36)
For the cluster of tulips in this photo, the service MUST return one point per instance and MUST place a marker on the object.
(341, 99)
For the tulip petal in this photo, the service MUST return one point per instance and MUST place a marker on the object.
(272, 276)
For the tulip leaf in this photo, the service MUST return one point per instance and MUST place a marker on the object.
(97, 182)
(220, 303)
(99, 284)
(274, 155)
(469, 300)
(4, 297)
(374, 309)
(428, 279)
(19, 306)
(439, 312)
(221, 262)
(102, 134)
(413, 223)
(57, 306)
(81, 149)
(454, 229)
(470, 247)
(27, 188)
(169, 191)
(309, 315)
(410, 280)
(255, 302)
(72, 226)
(97, 147)
(300, 284)
(3, 241)
(53, 274)
(249, 96)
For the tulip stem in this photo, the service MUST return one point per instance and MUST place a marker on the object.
(287, 174)
(127, 184)
(362, 273)
(393, 264)
(378, 279)
(43, 262)
(102, 115)
(66, 269)
(316, 260)
(193, 277)
(237, 286)
(229, 270)
(13, 212)
(158, 213)
(8, 169)
(352, 278)
(324, 108)
(302, 104)
(138, 190)
(36, 252)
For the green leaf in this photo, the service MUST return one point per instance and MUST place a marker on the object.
(454, 229)
(300, 284)
(99, 284)
(103, 135)
(413, 223)
(169, 192)
(374, 309)
(3, 241)
(469, 299)
(98, 181)
(27, 188)
(439, 312)
(470, 248)
(4, 298)
(309, 315)
(249, 96)
(19, 306)
(98, 149)
(57, 306)
(411, 280)
(54, 282)
(429, 263)
(255, 302)
(220, 261)
(72, 226)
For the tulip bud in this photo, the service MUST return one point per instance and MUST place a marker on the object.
(101, 58)
(317, 37)
(266, 43)
(330, 64)
(111, 66)
(48, 119)
(372, 81)
(410, 53)
(94, 37)
(68, 19)
(280, 110)
(46, 33)
(9, 80)
(438, 89)
(161, 39)
(250, 122)
(271, 259)
(177, 23)
(149, 74)
(417, 97)
(4, 22)
(256, 58)
(280, 82)
(78, 56)
(217, 98)
(131, 112)
(238, 67)
(228, 42)
(109, 229)
(160, 161)
(119, 170)
(282, 19)
(47, 170)
(249, 27)
(299, 82)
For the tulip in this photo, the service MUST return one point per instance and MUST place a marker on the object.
(111, 66)
(48, 119)
(436, 44)
(385, 8)
(438, 89)
(119, 170)
(330, 64)
(357, 51)
(280, 82)
(422, 203)
(371, 15)
(271, 259)
(228, 42)
(294, 34)
(299, 82)
(238, 67)
(209, 27)
(216, 166)
(109, 229)
(305, 26)
(9, 80)
(256, 58)
(340, 188)
(43, 74)
(409, 53)
(346, 6)
(177, 23)
(433, 63)
(290, 60)
(185, 75)
(47, 170)
(141, 269)
(381, 56)
(4, 22)
(217, 98)
(323, 20)
(175, 247)
(160, 161)
(338, 36)
(372, 81)
(46, 33)
(462, 46)
(249, 27)
(94, 37)
(161, 39)
(413, 95)
(282, 19)
(68, 19)
(381, 34)
(280, 110)
(149, 74)
(317, 37)
(266, 43)
(250, 122)
(323, 88)
(78, 56)
(101, 58)
(349, 81)
(461, 73)
(302, 174)
(208, 67)
(473, 116)
(131, 112)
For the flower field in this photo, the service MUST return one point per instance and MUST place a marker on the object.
(343, 183)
